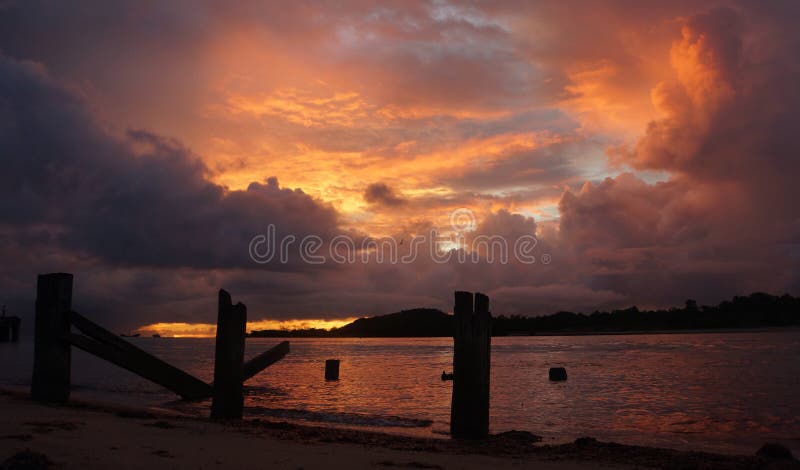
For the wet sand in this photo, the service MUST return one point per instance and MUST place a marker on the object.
(83, 435)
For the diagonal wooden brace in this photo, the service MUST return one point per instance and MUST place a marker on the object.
(265, 359)
(108, 346)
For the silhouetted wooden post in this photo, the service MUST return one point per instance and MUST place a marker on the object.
(51, 353)
(228, 399)
(332, 369)
(469, 412)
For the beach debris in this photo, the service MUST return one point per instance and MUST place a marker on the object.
(44, 427)
(469, 409)
(163, 453)
(135, 413)
(412, 464)
(28, 460)
(518, 436)
(557, 374)
(163, 424)
(332, 369)
(774, 452)
(18, 437)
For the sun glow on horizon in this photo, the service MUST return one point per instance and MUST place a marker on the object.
(208, 330)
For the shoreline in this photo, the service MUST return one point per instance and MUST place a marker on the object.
(668, 332)
(88, 435)
(776, 329)
(561, 333)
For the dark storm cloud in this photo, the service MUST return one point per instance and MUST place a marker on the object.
(141, 199)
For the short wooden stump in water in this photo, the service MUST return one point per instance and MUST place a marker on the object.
(558, 374)
(332, 369)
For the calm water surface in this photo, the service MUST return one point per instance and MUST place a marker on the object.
(728, 392)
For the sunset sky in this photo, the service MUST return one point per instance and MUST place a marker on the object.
(650, 147)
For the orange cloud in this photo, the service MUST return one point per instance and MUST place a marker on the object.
(207, 330)
(605, 100)
(344, 109)
(501, 106)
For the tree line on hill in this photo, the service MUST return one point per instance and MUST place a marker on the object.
(757, 310)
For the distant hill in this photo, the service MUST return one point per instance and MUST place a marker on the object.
(757, 310)
(408, 323)
(418, 322)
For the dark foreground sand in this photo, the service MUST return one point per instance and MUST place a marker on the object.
(86, 436)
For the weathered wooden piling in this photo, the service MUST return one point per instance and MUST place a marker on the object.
(51, 354)
(332, 369)
(469, 412)
(228, 399)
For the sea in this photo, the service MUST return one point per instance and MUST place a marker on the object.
(720, 392)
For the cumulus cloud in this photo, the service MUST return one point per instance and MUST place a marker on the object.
(507, 225)
(139, 199)
(626, 212)
(723, 220)
(504, 108)
(151, 239)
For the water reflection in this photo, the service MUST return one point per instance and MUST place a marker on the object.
(724, 392)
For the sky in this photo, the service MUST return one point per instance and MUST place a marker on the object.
(649, 148)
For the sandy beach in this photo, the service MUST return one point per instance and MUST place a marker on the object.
(82, 435)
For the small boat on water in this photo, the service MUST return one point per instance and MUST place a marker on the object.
(156, 335)
(134, 335)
